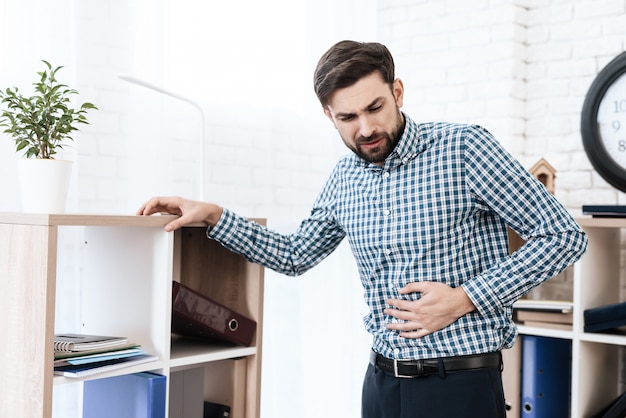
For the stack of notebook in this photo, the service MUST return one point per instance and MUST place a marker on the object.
(553, 314)
(78, 355)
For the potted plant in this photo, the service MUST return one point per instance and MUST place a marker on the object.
(41, 125)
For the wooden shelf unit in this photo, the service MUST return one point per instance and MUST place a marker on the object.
(112, 275)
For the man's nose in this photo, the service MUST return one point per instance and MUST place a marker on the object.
(367, 127)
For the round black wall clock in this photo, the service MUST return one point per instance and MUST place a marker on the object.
(603, 123)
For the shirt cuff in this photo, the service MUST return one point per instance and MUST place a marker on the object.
(224, 227)
(485, 301)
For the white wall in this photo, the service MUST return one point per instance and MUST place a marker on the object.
(520, 67)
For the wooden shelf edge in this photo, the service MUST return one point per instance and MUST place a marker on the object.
(590, 221)
(545, 332)
(85, 219)
(184, 357)
(612, 339)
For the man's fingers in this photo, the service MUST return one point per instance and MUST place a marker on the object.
(418, 333)
(400, 313)
(157, 204)
(173, 226)
(149, 207)
(413, 287)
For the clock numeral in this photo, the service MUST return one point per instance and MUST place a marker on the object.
(616, 125)
(620, 106)
(621, 145)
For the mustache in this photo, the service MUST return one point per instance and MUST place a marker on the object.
(367, 139)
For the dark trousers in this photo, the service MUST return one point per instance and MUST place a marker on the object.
(463, 394)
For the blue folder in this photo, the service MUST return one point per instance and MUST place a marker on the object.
(546, 377)
(137, 395)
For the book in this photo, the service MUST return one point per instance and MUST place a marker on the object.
(605, 211)
(561, 306)
(543, 316)
(95, 358)
(60, 355)
(83, 342)
(551, 325)
(136, 395)
(605, 318)
(196, 315)
(82, 370)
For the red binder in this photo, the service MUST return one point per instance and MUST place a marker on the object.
(195, 315)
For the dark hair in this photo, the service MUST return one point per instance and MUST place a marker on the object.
(347, 62)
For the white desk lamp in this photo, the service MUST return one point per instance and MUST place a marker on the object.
(161, 90)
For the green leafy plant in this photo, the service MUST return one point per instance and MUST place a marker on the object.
(43, 123)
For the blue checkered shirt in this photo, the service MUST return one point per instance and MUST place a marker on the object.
(436, 211)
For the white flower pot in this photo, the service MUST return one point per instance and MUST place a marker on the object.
(44, 184)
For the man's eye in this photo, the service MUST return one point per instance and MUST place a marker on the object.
(346, 118)
(376, 108)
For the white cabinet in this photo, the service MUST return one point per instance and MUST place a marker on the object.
(112, 275)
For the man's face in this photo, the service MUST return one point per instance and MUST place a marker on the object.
(367, 116)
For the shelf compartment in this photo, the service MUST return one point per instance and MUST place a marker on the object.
(595, 378)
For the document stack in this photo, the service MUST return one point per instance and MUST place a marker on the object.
(79, 355)
(544, 313)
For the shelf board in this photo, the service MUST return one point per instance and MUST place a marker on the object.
(85, 219)
(591, 222)
(187, 352)
(545, 332)
(615, 339)
(143, 367)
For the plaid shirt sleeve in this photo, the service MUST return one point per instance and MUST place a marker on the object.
(289, 254)
(554, 239)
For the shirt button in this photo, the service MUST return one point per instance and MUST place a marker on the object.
(387, 251)
(405, 160)
(387, 212)
(396, 352)
(386, 174)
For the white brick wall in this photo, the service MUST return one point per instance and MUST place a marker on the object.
(521, 68)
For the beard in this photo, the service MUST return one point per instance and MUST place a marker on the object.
(376, 148)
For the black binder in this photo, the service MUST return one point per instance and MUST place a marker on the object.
(616, 409)
(215, 410)
(195, 315)
(605, 211)
(605, 318)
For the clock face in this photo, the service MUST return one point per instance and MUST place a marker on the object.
(603, 123)
(612, 121)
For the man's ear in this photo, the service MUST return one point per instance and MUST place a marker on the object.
(329, 116)
(398, 92)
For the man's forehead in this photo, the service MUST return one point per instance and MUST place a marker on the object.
(359, 96)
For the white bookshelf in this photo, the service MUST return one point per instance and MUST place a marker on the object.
(112, 275)
(595, 367)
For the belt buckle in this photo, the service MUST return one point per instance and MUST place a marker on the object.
(419, 366)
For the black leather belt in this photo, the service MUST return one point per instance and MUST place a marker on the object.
(427, 367)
